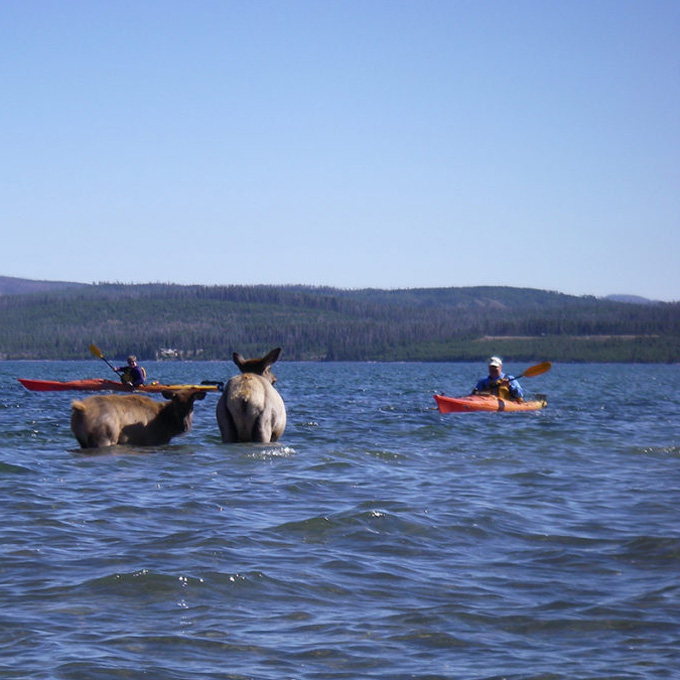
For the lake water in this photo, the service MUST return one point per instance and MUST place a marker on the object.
(380, 539)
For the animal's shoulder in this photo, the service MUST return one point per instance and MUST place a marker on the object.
(246, 386)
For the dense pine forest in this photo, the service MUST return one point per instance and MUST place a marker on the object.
(157, 321)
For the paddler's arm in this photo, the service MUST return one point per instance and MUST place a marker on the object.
(514, 387)
(481, 386)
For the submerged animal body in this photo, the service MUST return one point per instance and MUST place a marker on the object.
(106, 420)
(250, 409)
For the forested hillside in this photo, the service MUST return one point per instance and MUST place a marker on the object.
(209, 322)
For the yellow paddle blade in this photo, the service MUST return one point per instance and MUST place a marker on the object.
(96, 351)
(538, 369)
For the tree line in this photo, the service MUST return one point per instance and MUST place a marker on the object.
(326, 324)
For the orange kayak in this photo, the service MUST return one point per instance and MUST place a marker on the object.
(97, 384)
(485, 402)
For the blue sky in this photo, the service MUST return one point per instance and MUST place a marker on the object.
(377, 143)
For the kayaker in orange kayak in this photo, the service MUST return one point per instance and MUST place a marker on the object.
(499, 384)
(132, 374)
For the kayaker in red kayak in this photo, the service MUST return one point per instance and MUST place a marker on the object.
(499, 384)
(132, 374)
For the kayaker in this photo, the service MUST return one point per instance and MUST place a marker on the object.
(132, 374)
(499, 384)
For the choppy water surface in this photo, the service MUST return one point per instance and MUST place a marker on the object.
(380, 539)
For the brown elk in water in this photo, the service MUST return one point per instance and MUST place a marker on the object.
(250, 409)
(105, 420)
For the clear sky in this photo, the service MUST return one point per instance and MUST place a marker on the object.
(367, 143)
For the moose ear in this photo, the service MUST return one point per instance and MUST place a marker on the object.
(272, 357)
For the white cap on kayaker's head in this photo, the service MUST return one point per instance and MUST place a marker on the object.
(496, 361)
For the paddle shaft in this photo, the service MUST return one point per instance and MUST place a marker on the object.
(98, 353)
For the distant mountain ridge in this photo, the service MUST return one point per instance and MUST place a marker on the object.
(486, 295)
(14, 286)
(632, 299)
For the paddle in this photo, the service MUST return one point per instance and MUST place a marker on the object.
(98, 353)
(533, 371)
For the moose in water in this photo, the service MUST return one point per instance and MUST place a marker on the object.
(250, 409)
(106, 420)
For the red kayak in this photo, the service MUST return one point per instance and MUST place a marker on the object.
(97, 384)
(485, 402)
